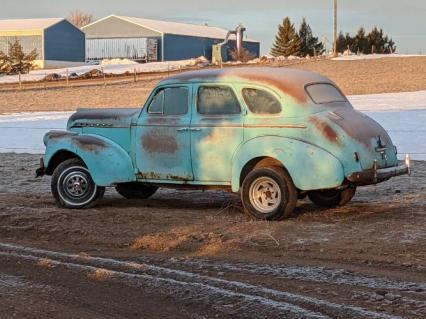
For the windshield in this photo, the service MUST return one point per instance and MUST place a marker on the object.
(322, 93)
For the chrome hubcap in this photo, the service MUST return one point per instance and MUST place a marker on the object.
(76, 184)
(265, 195)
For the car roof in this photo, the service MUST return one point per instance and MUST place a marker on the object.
(289, 81)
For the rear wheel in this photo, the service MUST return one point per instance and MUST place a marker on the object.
(73, 187)
(136, 190)
(332, 198)
(268, 194)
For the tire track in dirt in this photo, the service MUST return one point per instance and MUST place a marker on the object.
(305, 273)
(216, 292)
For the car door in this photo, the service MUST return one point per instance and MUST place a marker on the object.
(162, 147)
(216, 132)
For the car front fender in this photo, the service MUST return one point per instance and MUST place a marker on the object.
(107, 162)
(310, 167)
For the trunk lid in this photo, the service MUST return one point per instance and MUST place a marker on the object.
(372, 142)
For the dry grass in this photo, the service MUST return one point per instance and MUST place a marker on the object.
(354, 77)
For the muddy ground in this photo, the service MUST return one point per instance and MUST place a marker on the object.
(354, 77)
(193, 254)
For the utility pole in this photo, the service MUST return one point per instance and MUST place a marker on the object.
(335, 29)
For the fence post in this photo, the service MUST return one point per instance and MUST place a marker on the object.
(103, 74)
(68, 77)
(45, 80)
(134, 75)
(20, 80)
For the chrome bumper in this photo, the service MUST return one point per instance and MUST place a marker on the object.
(374, 176)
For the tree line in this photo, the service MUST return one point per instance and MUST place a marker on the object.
(373, 42)
(303, 43)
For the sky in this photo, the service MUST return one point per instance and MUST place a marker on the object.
(404, 21)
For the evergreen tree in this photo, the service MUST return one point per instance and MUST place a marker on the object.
(379, 43)
(361, 42)
(309, 45)
(341, 42)
(4, 63)
(287, 40)
(17, 61)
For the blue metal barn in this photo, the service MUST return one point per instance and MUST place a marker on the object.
(58, 42)
(153, 40)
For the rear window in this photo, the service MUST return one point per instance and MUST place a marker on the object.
(322, 93)
(261, 102)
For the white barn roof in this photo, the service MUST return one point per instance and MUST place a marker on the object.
(177, 28)
(28, 24)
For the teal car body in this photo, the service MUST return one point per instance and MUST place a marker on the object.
(210, 128)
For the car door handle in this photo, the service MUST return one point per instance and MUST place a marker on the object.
(183, 130)
(195, 130)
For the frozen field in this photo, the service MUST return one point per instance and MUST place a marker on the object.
(403, 115)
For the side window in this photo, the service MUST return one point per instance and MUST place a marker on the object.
(217, 100)
(176, 101)
(261, 102)
(170, 101)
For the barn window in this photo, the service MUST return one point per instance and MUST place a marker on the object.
(261, 102)
(217, 100)
(170, 101)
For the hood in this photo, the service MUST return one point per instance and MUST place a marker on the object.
(113, 117)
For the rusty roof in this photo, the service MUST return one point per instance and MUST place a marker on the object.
(289, 81)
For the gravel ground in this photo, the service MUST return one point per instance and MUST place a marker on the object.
(193, 254)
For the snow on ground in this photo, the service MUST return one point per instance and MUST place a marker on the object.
(390, 101)
(38, 75)
(373, 56)
(403, 115)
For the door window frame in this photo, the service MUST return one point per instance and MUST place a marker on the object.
(212, 84)
(145, 114)
(279, 97)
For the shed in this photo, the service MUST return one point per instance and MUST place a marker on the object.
(58, 42)
(153, 40)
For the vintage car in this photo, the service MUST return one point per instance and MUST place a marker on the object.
(274, 135)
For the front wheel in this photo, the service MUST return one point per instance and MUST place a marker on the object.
(332, 198)
(73, 187)
(269, 194)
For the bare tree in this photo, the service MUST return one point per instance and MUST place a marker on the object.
(80, 18)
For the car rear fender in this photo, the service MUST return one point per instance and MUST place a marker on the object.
(310, 167)
(107, 162)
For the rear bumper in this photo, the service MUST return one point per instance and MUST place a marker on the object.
(374, 176)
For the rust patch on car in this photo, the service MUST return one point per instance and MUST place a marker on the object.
(293, 89)
(326, 130)
(149, 175)
(59, 134)
(89, 143)
(162, 120)
(179, 178)
(362, 128)
(156, 142)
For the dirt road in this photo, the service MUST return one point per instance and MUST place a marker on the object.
(193, 254)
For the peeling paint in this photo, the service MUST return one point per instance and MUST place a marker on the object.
(89, 143)
(325, 129)
(157, 142)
